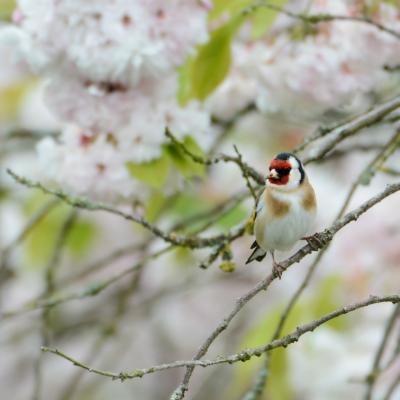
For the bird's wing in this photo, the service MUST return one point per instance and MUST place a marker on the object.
(260, 205)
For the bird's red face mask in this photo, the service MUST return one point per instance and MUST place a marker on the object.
(279, 171)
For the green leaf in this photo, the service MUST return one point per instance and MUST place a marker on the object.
(41, 239)
(232, 7)
(203, 73)
(184, 258)
(227, 266)
(278, 385)
(371, 7)
(188, 204)
(154, 173)
(4, 192)
(233, 217)
(323, 301)
(6, 9)
(326, 300)
(154, 205)
(263, 18)
(81, 238)
(185, 165)
(39, 245)
(11, 98)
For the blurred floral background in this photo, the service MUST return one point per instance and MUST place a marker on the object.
(88, 91)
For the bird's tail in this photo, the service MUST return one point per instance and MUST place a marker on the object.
(258, 253)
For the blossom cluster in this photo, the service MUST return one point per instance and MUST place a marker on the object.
(305, 70)
(111, 67)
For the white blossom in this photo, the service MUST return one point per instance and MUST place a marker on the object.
(109, 40)
(336, 66)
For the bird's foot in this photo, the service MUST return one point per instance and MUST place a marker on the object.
(277, 270)
(316, 241)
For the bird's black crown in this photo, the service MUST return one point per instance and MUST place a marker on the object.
(285, 157)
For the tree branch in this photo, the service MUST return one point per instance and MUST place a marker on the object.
(317, 18)
(45, 322)
(192, 242)
(92, 289)
(35, 219)
(244, 167)
(339, 133)
(243, 355)
(375, 369)
(325, 236)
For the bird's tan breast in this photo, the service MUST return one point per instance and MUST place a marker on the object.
(276, 207)
(309, 201)
(284, 216)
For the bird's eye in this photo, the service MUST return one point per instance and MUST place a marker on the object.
(283, 171)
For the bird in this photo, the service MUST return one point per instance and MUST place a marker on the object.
(285, 211)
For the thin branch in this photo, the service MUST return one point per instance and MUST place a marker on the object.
(214, 214)
(317, 18)
(192, 242)
(228, 125)
(390, 171)
(395, 354)
(92, 289)
(101, 263)
(392, 387)
(244, 167)
(242, 356)
(245, 175)
(341, 132)
(34, 220)
(45, 324)
(391, 68)
(95, 288)
(325, 236)
(369, 171)
(107, 331)
(373, 116)
(55, 259)
(375, 369)
(356, 147)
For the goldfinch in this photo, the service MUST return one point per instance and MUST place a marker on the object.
(285, 211)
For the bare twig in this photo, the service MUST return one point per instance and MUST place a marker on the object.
(107, 330)
(92, 289)
(95, 288)
(326, 236)
(228, 125)
(178, 240)
(102, 262)
(354, 148)
(243, 355)
(213, 215)
(396, 353)
(35, 219)
(341, 132)
(375, 369)
(244, 167)
(392, 388)
(45, 326)
(317, 18)
(245, 174)
(369, 170)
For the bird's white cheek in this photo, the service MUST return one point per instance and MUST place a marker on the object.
(294, 179)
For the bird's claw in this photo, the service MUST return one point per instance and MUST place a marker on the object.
(316, 241)
(277, 270)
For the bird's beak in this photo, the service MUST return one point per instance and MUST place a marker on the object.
(273, 174)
